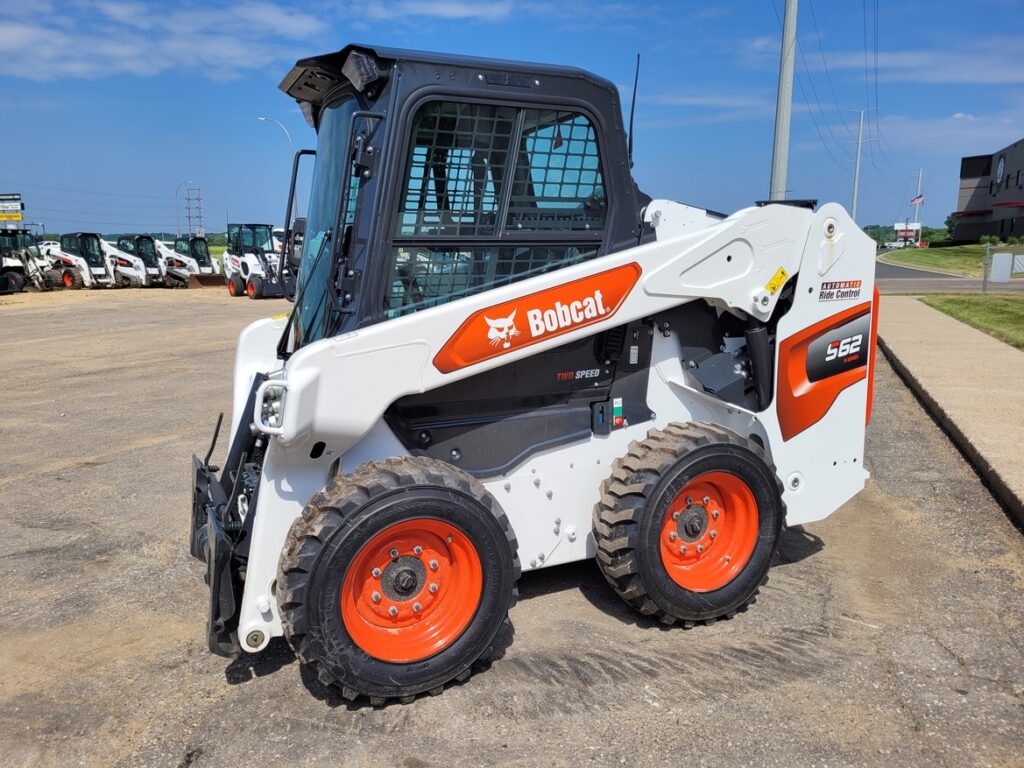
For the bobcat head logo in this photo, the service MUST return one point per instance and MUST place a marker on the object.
(502, 330)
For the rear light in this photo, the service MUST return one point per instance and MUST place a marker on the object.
(871, 353)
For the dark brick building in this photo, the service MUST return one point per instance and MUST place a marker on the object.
(991, 198)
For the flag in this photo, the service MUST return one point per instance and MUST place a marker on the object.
(917, 200)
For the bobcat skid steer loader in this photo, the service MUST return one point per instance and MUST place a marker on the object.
(190, 257)
(21, 263)
(251, 265)
(503, 356)
(83, 263)
(136, 263)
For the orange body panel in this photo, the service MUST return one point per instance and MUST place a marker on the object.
(801, 402)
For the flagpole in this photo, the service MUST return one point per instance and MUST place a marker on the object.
(917, 205)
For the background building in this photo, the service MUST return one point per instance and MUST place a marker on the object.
(991, 200)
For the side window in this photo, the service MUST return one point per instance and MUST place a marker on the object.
(233, 243)
(454, 170)
(67, 244)
(558, 184)
(470, 172)
(181, 246)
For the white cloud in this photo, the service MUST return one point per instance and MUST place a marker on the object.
(103, 38)
(439, 9)
(954, 135)
(989, 61)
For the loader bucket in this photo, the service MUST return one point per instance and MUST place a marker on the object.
(206, 281)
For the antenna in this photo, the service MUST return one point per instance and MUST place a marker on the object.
(632, 110)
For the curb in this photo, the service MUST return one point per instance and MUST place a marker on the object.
(991, 478)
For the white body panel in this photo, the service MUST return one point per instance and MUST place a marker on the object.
(130, 267)
(338, 389)
(166, 252)
(245, 265)
(92, 277)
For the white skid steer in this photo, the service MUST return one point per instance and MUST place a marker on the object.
(502, 357)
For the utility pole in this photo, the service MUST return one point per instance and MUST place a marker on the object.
(194, 208)
(784, 104)
(856, 167)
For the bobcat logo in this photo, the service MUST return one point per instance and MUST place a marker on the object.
(502, 330)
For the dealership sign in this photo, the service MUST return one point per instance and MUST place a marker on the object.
(11, 207)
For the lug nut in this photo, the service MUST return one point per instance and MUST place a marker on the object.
(433, 565)
(682, 550)
(392, 611)
(417, 550)
(417, 607)
(706, 499)
(689, 499)
(376, 573)
(715, 514)
(675, 515)
(700, 547)
(375, 597)
(713, 534)
(433, 589)
(394, 553)
(672, 536)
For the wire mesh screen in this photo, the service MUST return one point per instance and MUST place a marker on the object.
(558, 183)
(422, 277)
(455, 168)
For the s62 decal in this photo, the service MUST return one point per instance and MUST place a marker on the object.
(838, 350)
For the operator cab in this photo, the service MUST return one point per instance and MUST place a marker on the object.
(141, 246)
(194, 246)
(441, 176)
(250, 238)
(84, 244)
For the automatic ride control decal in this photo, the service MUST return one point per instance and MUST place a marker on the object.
(530, 319)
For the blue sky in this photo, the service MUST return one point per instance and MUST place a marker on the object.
(108, 106)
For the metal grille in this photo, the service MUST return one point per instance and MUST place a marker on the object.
(455, 169)
(424, 277)
(558, 183)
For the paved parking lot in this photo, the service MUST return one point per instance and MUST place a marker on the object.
(890, 634)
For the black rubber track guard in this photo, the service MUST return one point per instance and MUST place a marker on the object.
(342, 517)
(634, 499)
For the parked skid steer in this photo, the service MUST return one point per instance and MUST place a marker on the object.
(83, 263)
(21, 263)
(251, 262)
(503, 356)
(191, 256)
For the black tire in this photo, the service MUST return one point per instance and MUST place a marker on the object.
(236, 287)
(336, 524)
(636, 499)
(11, 282)
(255, 287)
(72, 279)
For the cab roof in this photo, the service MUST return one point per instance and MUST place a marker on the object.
(311, 79)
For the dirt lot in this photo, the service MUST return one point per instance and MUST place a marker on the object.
(891, 634)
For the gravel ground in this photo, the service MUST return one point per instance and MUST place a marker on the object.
(889, 634)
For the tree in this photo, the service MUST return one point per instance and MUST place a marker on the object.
(951, 223)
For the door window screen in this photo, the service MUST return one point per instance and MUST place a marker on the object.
(557, 184)
(455, 168)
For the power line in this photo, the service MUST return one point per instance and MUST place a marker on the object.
(828, 75)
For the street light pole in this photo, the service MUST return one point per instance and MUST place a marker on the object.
(291, 147)
(177, 219)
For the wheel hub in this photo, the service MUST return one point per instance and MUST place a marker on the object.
(403, 577)
(693, 521)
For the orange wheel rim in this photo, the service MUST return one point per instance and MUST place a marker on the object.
(250, 289)
(231, 288)
(68, 280)
(412, 590)
(709, 532)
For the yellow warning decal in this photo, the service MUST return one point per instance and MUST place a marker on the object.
(778, 280)
(285, 314)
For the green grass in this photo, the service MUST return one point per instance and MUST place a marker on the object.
(964, 259)
(997, 314)
(217, 250)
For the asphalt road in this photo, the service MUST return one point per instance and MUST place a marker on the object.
(884, 271)
(896, 279)
(889, 634)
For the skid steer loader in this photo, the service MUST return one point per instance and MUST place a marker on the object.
(21, 263)
(137, 264)
(191, 255)
(83, 263)
(503, 356)
(251, 263)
